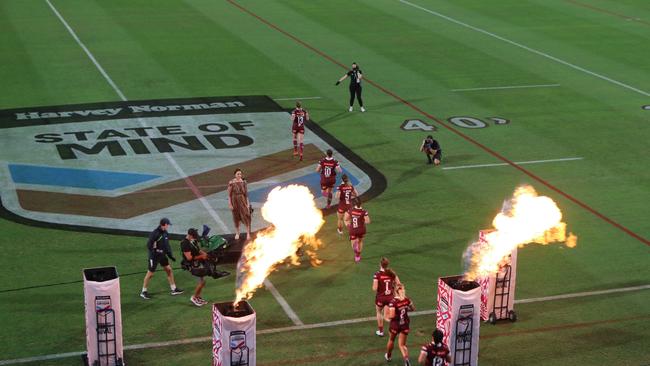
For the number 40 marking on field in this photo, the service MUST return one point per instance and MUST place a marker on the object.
(460, 121)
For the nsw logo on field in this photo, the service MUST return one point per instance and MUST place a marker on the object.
(121, 166)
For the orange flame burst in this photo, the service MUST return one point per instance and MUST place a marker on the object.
(525, 218)
(295, 220)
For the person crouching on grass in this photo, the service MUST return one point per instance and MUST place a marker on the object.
(431, 147)
(383, 283)
(397, 314)
(356, 220)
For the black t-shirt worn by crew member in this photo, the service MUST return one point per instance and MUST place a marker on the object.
(354, 77)
(192, 247)
(159, 242)
(432, 144)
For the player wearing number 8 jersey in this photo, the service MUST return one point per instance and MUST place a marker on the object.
(383, 283)
(328, 167)
(345, 194)
(397, 313)
(356, 220)
(298, 118)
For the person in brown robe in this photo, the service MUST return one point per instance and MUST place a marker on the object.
(239, 204)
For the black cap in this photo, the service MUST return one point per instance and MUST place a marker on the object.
(193, 233)
(165, 221)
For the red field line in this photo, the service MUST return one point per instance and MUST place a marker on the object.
(379, 351)
(605, 11)
(448, 127)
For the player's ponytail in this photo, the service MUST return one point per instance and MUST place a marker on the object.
(384, 262)
(345, 178)
(298, 105)
(390, 273)
(437, 337)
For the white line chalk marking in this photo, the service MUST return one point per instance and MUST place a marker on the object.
(317, 325)
(509, 87)
(506, 164)
(573, 66)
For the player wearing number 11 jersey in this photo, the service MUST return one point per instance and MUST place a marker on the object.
(383, 283)
(328, 167)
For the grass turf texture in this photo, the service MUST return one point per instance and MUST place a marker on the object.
(425, 217)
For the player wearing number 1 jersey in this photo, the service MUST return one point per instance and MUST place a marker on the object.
(345, 194)
(383, 283)
(397, 314)
(328, 167)
(356, 220)
(298, 118)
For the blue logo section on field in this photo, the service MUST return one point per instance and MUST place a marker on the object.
(76, 178)
(312, 181)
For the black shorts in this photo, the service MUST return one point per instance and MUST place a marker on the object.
(155, 259)
(438, 155)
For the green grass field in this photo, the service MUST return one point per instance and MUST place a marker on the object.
(570, 76)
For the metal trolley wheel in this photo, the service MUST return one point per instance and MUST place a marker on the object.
(512, 316)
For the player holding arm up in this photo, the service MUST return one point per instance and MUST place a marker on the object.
(356, 220)
(328, 167)
(345, 194)
(397, 314)
(355, 76)
(298, 118)
(383, 284)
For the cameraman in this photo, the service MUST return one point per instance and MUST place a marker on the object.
(194, 261)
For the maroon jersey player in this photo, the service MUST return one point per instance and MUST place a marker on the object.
(345, 194)
(328, 167)
(434, 353)
(356, 220)
(298, 118)
(397, 313)
(383, 283)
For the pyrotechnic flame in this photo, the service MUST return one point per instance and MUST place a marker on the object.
(295, 220)
(525, 218)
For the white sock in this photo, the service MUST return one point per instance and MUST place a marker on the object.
(144, 289)
(173, 287)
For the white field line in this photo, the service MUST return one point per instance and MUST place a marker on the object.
(297, 98)
(290, 313)
(509, 87)
(285, 305)
(117, 90)
(316, 325)
(505, 164)
(573, 66)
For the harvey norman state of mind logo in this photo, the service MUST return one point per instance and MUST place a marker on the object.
(122, 166)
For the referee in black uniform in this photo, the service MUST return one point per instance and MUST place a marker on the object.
(159, 251)
(355, 75)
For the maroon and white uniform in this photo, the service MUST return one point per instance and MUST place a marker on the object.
(400, 323)
(436, 354)
(345, 198)
(385, 287)
(328, 172)
(357, 223)
(299, 116)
